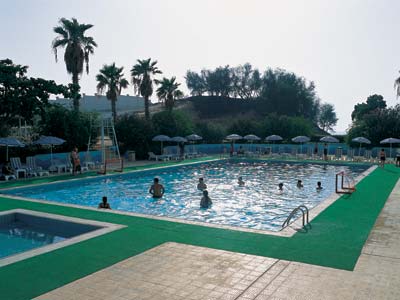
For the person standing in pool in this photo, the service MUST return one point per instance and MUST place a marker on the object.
(299, 184)
(156, 189)
(240, 181)
(382, 157)
(205, 201)
(280, 187)
(201, 185)
(319, 186)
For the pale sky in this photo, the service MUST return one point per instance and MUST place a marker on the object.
(349, 48)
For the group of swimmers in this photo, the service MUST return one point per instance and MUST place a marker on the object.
(157, 191)
(300, 185)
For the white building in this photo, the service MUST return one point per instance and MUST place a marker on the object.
(101, 105)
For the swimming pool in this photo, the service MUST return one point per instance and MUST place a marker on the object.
(257, 205)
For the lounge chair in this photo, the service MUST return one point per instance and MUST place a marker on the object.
(152, 156)
(17, 166)
(88, 161)
(350, 155)
(32, 167)
(171, 155)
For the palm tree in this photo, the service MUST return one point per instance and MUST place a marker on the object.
(142, 81)
(71, 35)
(111, 79)
(397, 86)
(168, 91)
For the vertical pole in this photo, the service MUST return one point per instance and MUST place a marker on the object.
(336, 183)
(103, 149)
(342, 179)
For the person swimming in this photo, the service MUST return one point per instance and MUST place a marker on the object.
(319, 186)
(156, 189)
(240, 181)
(205, 201)
(299, 184)
(201, 185)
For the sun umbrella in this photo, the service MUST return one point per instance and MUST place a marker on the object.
(301, 139)
(178, 139)
(233, 137)
(251, 138)
(273, 138)
(329, 139)
(194, 137)
(49, 141)
(361, 140)
(390, 141)
(10, 142)
(161, 138)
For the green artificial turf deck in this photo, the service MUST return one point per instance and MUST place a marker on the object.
(335, 240)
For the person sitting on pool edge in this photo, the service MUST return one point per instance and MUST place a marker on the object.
(319, 186)
(201, 185)
(205, 201)
(240, 181)
(156, 189)
(104, 204)
(299, 184)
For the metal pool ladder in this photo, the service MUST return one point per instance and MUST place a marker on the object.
(304, 212)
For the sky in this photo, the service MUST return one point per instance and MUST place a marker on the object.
(349, 48)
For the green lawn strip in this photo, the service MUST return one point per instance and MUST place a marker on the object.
(336, 239)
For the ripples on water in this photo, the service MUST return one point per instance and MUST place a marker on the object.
(258, 204)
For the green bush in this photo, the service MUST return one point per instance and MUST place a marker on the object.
(211, 133)
(135, 133)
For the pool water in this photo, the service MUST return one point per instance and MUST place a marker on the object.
(18, 237)
(258, 205)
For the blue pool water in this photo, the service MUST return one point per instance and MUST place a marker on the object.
(257, 205)
(18, 237)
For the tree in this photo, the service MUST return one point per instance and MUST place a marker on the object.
(195, 83)
(219, 82)
(24, 97)
(74, 127)
(175, 123)
(111, 79)
(168, 91)
(78, 47)
(373, 103)
(327, 117)
(377, 125)
(142, 80)
(135, 133)
(247, 82)
(287, 94)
